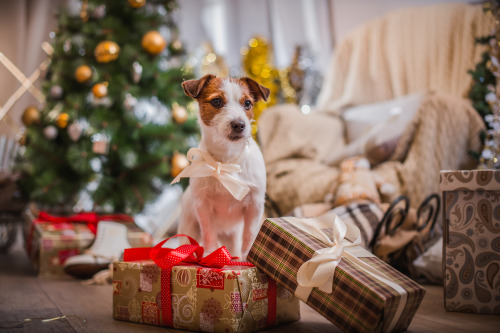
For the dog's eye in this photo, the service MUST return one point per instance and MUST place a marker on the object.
(247, 104)
(216, 102)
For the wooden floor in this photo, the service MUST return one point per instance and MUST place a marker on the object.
(88, 308)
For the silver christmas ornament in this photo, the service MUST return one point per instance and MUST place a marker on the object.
(129, 102)
(151, 110)
(67, 45)
(95, 164)
(99, 12)
(74, 131)
(50, 132)
(136, 72)
(130, 159)
(56, 91)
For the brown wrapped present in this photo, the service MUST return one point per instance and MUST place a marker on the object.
(471, 256)
(51, 240)
(177, 290)
(318, 260)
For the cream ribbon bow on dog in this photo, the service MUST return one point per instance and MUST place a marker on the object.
(206, 166)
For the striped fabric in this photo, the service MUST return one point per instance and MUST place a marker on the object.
(365, 216)
(358, 303)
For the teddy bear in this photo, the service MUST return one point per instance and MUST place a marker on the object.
(357, 182)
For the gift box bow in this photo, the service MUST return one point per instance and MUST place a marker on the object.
(191, 253)
(318, 272)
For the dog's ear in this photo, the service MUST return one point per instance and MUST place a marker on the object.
(193, 88)
(258, 91)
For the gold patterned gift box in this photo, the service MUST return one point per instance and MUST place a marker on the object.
(471, 255)
(319, 261)
(199, 298)
(50, 240)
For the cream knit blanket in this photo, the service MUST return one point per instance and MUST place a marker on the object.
(407, 51)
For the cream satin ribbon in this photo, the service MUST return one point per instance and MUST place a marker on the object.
(207, 166)
(318, 272)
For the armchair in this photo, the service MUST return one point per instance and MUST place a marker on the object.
(424, 51)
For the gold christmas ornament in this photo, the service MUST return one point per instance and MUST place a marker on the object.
(176, 47)
(106, 51)
(31, 116)
(62, 120)
(179, 114)
(213, 63)
(22, 139)
(136, 3)
(179, 162)
(153, 42)
(100, 89)
(83, 73)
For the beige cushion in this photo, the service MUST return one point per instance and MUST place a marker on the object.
(285, 132)
(373, 130)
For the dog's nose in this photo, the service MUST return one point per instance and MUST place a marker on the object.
(238, 126)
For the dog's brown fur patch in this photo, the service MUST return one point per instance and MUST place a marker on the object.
(211, 90)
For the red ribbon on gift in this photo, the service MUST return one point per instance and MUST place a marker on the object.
(90, 218)
(166, 258)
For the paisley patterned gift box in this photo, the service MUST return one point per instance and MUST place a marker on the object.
(50, 243)
(471, 257)
(230, 299)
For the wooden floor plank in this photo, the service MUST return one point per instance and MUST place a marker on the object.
(92, 307)
(89, 307)
(22, 297)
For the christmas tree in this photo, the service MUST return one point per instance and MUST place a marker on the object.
(116, 123)
(485, 93)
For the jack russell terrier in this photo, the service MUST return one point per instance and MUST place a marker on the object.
(224, 202)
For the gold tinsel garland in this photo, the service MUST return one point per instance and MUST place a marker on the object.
(257, 64)
(287, 85)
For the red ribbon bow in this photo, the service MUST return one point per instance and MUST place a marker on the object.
(191, 253)
(166, 258)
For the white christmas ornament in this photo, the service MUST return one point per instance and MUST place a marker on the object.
(95, 164)
(74, 131)
(136, 72)
(130, 159)
(56, 91)
(99, 12)
(50, 132)
(129, 102)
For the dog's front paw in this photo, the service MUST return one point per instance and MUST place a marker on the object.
(209, 244)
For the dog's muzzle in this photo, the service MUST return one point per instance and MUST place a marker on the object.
(237, 130)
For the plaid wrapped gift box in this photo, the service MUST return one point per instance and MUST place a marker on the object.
(471, 254)
(363, 295)
(50, 240)
(188, 296)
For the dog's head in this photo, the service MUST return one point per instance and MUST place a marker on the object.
(225, 105)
